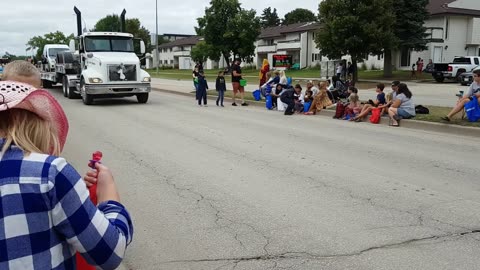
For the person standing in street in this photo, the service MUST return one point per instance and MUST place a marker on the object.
(221, 87)
(202, 89)
(237, 88)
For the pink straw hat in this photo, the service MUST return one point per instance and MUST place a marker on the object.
(14, 95)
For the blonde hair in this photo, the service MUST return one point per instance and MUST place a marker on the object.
(354, 98)
(322, 86)
(29, 132)
(20, 68)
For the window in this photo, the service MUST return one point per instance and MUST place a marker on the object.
(269, 42)
(171, 62)
(108, 44)
(476, 61)
(380, 57)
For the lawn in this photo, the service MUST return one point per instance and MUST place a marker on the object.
(369, 75)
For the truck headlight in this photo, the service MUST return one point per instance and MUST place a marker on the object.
(147, 79)
(95, 80)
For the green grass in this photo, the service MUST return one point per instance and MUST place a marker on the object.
(375, 75)
(437, 112)
(400, 75)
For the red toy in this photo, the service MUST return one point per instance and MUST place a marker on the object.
(96, 157)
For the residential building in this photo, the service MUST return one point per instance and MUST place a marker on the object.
(176, 54)
(453, 29)
(296, 40)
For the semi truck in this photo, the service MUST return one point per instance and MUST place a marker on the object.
(98, 65)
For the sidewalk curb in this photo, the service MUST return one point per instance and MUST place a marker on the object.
(410, 124)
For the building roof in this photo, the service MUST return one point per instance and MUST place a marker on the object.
(278, 31)
(441, 7)
(193, 40)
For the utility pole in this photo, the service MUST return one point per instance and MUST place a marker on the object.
(156, 34)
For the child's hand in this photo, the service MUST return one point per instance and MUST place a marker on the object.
(90, 178)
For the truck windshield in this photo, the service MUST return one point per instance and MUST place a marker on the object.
(108, 44)
(461, 60)
(52, 52)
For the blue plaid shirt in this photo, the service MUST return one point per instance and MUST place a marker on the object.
(46, 216)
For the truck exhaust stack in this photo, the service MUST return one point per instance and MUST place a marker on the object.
(79, 20)
(122, 20)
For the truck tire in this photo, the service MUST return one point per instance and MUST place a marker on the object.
(69, 91)
(142, 98)
(64, 89)
(86, 98)
(46, 84)
(459, 72)
(439, 79)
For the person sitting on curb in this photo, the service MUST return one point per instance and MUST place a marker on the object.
(311, 87)
(353, 108)
(290, 97)
(320, 101)
(378, 103)
(472, 93)
(402, 106)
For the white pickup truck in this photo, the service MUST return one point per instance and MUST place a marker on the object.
(453, 70)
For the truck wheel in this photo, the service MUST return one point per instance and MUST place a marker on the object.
(87, 99)
(142, 98)
(69, 91)
(65, 86)
(457, 77)
(440, 79)
(46, 84)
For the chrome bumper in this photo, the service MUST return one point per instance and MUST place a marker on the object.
(117, 89)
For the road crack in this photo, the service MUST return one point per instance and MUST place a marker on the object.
(310, 256)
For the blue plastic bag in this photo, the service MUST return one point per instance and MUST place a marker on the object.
(472, 110)
(257, 95)
(306, 106)
(268, 102)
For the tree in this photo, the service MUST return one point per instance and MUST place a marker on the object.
(229, 29)
(409, 29)
(38, 42)
(269, 18)
(356, 28)
(299, 15)
(200, 52)
(112, 23)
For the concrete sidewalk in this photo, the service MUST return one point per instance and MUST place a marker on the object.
(434, 94)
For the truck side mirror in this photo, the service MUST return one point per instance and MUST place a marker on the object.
(142, 47)
(71, 45)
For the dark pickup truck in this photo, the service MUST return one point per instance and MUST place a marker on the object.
(453, 70)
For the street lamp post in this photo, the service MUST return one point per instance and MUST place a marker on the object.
(156, 34)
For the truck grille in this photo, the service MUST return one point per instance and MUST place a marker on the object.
(122, 73)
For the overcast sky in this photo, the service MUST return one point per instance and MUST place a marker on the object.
(22, 19)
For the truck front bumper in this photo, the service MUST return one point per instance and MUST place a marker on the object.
(117, 89)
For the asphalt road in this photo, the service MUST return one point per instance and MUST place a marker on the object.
(244, 188)
(436, 94)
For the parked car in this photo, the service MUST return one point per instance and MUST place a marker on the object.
(453, 70)
(1, 72)
(466, 78)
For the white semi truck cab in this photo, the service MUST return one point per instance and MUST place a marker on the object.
(110, 67)
(99, 65)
